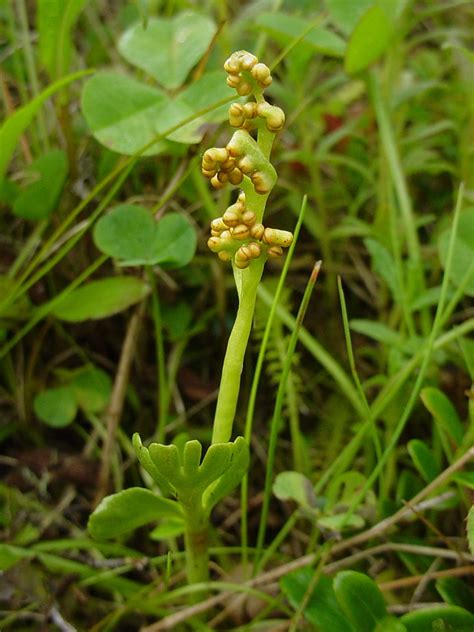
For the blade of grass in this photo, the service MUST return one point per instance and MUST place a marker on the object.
(319, 352)
(275, 423)
(401, 189)
(47, 308)
(349, 452)
(437, 323)
(350, 355)
(57, 257)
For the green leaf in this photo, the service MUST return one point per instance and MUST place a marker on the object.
(168, 48)
(390, 624)
(10, 555)
(463, 259)
(203, 93)
(169, 528)
(179, 469)
(27, 534)
(346, 14)
(340, 522)
(175, 241)
(294, 486)
(428, 298)
(129, 509)
(360, 599)
(464, 478)
(61, 564)
(238, 466)
(8, 192)
(100, 299)
(122, 112)
(14, 126)
(368, 41)
(39, 199)
(384, 265)
(443, 412)
(177, 319)
(56, 19)
(424, 459)
(92, 388)
(470, 529)
(20, 308)
(455, 592)
(376, 331)
(130, 233)
(322, 608)
(439, 619)
(408, 485)
(342, 488)
(290, 27)
(393, 9)
(56, 407)
(125, 114)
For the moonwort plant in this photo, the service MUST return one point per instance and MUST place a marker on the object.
(240, 237)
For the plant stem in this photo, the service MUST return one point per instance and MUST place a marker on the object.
(197, 554)
(247, 282)
(234, 357)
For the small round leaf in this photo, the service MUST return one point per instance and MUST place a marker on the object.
(130, 234)
(92, 388)
(168, 48)
(56, 407)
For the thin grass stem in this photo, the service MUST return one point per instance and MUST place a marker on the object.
(437, 323)
(350, 355)
(276, 419)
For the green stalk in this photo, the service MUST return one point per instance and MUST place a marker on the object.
(196, 540)
(28, 249)
(234, 357)
(247, 282)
